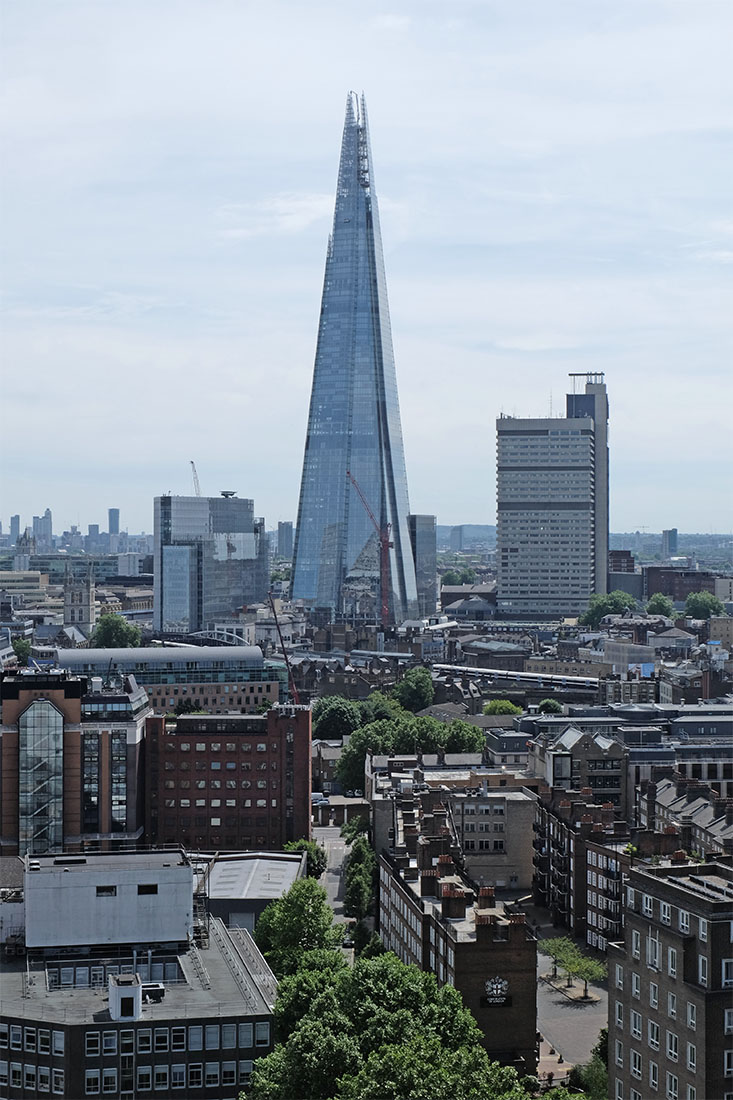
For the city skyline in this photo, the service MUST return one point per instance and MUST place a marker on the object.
(554, 194)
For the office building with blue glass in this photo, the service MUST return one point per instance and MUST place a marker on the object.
(354, 420)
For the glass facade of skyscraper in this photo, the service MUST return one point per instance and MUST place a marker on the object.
(354, 420)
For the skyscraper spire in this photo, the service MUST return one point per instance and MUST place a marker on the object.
(354, 419)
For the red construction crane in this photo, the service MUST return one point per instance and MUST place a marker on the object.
(291, 679)
(385, 545)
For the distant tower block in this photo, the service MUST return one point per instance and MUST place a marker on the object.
(113, 521)
(80, 606)
(669, 543)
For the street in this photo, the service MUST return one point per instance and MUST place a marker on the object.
(571, 1027)
(333, 880)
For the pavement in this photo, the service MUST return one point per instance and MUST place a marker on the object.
(332, 879)
(569, 1025)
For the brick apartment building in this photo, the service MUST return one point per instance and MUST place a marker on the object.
(229, 781)
(670, 995)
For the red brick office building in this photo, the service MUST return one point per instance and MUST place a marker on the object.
(229, 781)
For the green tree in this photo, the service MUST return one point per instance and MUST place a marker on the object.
(296, 992)
(354, 827)
(701, 605)
(590, 970)
(451, 577)
(377, 706)
(415, 691)
(549, 706)
(187, 706)
(22, 648)
(335, 717)
(612, 603)
(376, 737)
(114, 632)
(659, 604)
(299, 921)
(358, 893)
(463, 737)
(317, 859)
(502, 706)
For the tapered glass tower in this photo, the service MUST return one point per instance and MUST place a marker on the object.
(340, 558)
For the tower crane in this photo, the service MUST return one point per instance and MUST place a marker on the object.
(385, 545)
(196, 486)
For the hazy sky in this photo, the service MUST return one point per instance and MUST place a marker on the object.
(555, 183)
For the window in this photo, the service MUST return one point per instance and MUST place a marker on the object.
(692, 1057)
(228, 1036)
(653, 1035)
(16, 1075)
(703, 930)
(673, 1086)
(229, 1073)
(702, 969)
(195, 1075)
(727, 970)
(728, 1026)
(109, 1080)
(636, 944)
(653, 995)
(106, 891)
(728, 1063)
(29, 1078)
(653, 951)
(619, 1089)
(91, 1043)
(16, 1037)
(92, 1082)
(30, 1038)
(619, 1053)
(635, 1025)
(691, 1092)
(127, 1042)
(178, 1076)
(246, 1036)
(672, 962)
(160, 1077)
(672, 1005)
(196, 1038)
(665, 912)
(3, 1073)
(57, 1081)
(653, 1075)
(262, 1034)
(635, 985)
(58, 1043)
(144, 1041)
(144, 1078)
(635, 1062)
(44, 1041)
(672, 1046)
(4, 1036)
(212, 1036)
(647, 905)
(619, 1014)
(160, 1040)
(684, 920)
(147, 888)
(178, 1038)
(212, 1075)
(245, 1072)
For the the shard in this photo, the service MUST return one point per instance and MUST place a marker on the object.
(354, 460)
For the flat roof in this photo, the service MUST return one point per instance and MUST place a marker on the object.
(207, 983)
(107, 861)
(159, 655)
(252, 876)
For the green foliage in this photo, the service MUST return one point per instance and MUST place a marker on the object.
(592, 1079)
(458, 576)
(549, 706)
(114, 632)
(361, 879)
(187, 706)
(600, 1050)
(22, 648)
(299, 921)
(377, 706)
(335, 717)
(354, 827)
(297, 991)
(659, 604)
(415, 691)
(701, 605)
(317, 859)
(502, 706)
(614, 603)
(565, 952)
(404, 734)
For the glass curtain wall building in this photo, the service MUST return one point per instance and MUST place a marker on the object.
(354, 419)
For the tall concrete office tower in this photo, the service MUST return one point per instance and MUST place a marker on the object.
(354, 420)
(113, 521)
(552, 507)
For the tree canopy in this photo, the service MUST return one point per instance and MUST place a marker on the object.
(549, 706)
(22, 649)
(701, 605)
(659, 604)
(415, 691)
(502, 706)
(301, 920)
(335, 717)
(404, 734)
(316, 858)
(612, 603)
(114, 632)
(458, 576)
(379, 1029)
